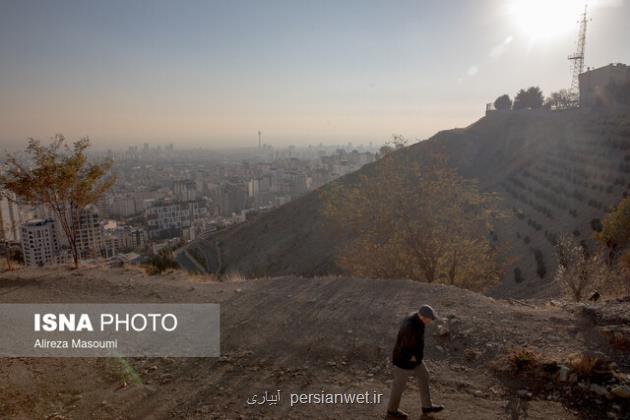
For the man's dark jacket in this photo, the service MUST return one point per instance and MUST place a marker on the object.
(409, 343)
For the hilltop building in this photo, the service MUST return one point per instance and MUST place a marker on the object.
(594, 83)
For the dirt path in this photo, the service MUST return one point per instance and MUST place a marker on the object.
(295, 335)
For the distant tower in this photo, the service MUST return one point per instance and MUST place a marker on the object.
(259, 139)
(577, 58)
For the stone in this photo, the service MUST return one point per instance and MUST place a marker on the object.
(523, 393)
(470, 355)
(621, 391)
(442, 330)
(599, 390)
(563, 373)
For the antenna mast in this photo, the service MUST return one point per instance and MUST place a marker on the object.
(577, 58)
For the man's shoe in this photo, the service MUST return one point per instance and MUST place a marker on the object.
(433, 409)
(398, 414)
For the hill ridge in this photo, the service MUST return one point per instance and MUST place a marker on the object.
(554, 171)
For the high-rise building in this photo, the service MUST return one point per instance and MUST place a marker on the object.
(168, 218)
(232, 198)
(185, 190)
(39, 242)
(90, 234)
(9, 218)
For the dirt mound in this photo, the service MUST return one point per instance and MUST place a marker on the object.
(296, 335)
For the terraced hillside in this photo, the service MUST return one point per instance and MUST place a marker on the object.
(565, 190)
(556, 172)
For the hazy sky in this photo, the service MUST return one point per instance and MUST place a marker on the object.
(215, 72)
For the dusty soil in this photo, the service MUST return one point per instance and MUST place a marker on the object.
(296, 335)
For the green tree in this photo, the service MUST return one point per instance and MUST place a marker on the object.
(531, 98)
(60, 177)
(615, 232)
(503, 103)
(415, 220)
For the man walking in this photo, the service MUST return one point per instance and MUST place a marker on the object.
(407, 359)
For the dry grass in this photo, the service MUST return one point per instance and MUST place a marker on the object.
(233, 277)
(620, 342)
(202, 278)
(135, 268)
(584, 364)
(522, 358)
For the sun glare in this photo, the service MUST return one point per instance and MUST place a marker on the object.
(545, 19)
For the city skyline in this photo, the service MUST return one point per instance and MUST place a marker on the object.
(212, 74)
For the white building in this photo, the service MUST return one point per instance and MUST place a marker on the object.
(40, 244)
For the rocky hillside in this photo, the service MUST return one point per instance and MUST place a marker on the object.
(556, 172)
(305, 335)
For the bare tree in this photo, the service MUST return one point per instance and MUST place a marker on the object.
(397, 142)
(562, 99)
(60, 177)
(578, 273)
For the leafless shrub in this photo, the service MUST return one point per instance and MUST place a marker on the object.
(578, 273)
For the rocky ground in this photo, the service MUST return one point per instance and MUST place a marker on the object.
(489, 359)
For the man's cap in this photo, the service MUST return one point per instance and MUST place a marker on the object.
(428, 312)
